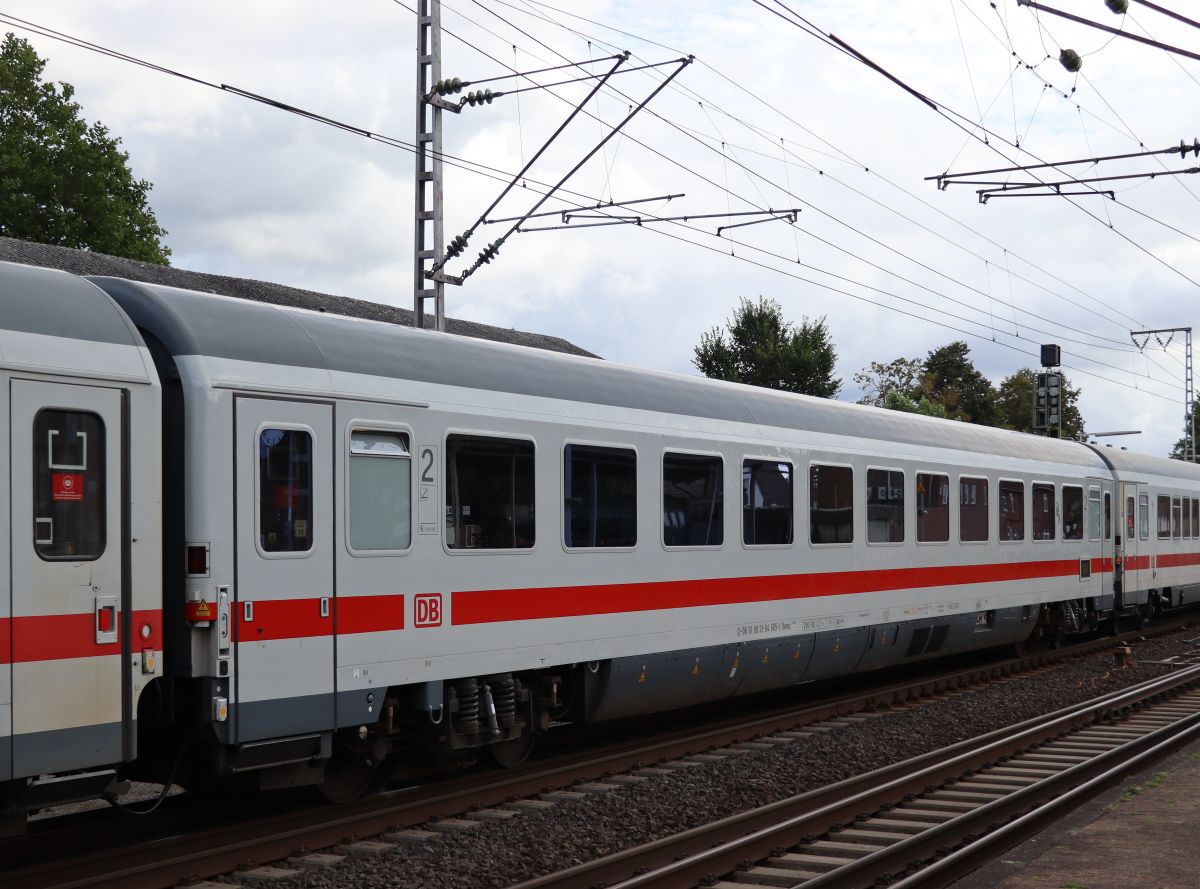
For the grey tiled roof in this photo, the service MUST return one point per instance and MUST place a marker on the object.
(84, 262)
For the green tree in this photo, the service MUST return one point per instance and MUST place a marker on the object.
(953, 381)
(760, 348)
(903, 375)
(1014, 403)
(1179, 451)
(63, 181)
(895, 400)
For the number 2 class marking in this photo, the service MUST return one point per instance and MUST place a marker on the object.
(427, 469)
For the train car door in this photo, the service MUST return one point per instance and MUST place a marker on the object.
(68, 642)
(284, 590)
(1100, 538)
(1132, 577)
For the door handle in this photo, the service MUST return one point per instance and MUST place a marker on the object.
(106, 619)
(324, 606)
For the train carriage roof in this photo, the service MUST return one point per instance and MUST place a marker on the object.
(191, 323)
(1133, 466)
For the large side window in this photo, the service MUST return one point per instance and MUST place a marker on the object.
(68, 485)
(285, 490)
(831, 504)
(972, 510)
(693, 500)
(1164, 517)
(489, 493)
(1195, 517)
(1187, 517)
(1072, 515)
(1043, 511)
(599, 496)
(1012, 510)
(1176, 518)
(1107, 515)
(933, 508)
(1093, 513)
(380, 494)
(766, 502)
(885, 506)
(1144, 516)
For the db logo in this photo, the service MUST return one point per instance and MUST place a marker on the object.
(428, 610)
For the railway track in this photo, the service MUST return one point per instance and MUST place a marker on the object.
(163, 861)
(925, 822)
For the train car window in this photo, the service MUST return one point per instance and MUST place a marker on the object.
(380, 493)
(1195, 517)
(1129, 519)
(1176, 518)
(885, 506)
(693, 500)
(489, 493)
(766, 502)
(933, 508)
(1107, 515)
(599, 496)
(68, 486)
(972, 510)
(1144, 516)
(1072, 515)
(1012, 510)
(285, 490)
(831, 504)
(1093, 513)
(1164, 517)
(1187, 517)
(1043, 511)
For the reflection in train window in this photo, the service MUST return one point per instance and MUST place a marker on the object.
(972, 510)
(766, 502)
(693, 500)
(285, 489)
(68, 485)
(1129, 518)
(1176, 518)
(1164, 517)
(1144, 516)
(489, 493)
(831, 504)
(933, 508)
(599, 496)
(1072, 516)
(1012, 511)
(885, 506)
(380, 495)
(1043, 511)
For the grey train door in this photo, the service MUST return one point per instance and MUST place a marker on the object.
(69, 590)
(284, 587)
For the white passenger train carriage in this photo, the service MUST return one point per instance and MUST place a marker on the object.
(379, 541)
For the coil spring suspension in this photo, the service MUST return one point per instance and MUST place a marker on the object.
(504, 697)
(467, 720)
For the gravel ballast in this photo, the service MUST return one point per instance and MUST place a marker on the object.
(503, 852)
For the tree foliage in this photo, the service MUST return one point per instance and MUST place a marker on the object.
(895, 400)
(1179, 451)
(1014, 403)
(903, 376)
(63, 181)
(952, 380)
(760, 348)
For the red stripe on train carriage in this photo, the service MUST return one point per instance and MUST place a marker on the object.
(1177, 560)
(301, 618)
(55, 637)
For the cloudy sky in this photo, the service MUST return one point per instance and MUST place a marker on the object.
(768, 116)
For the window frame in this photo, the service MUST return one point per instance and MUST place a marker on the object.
(1186, 517)
(444, 492)
(1024, 511)
(562, 491)
(1158, 516)
(1176, 523)
(741, 509)
(257, 502)
(1144, 527)
(662, 494)
(916, 507)
(1195, 518)
(1055, 512)
(1081, 519)
(1096, 503)
(104, 492)
(867, 505)
(987, 484)
(386, 428)
(847, 544)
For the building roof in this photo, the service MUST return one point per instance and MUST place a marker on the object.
(85, 262)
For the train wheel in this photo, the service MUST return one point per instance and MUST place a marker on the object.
(510, 754)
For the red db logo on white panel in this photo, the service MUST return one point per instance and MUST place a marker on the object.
(427, 610)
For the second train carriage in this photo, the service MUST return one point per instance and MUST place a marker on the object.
(379, 540)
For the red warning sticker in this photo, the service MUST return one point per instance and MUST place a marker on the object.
(67, 486)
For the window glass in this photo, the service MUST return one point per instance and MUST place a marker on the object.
(380, 495)
(972, 509)
(1187, 517)
(1129, 518)
(933, 508)
(1072, 515)
(68, 485)
(1012, 511)
(885, 506)
(285, 502)
(1107, 515)
(1195, 517)
(1093, 513)
(1164, 516)
(489, 493)
(766, 502)
(1144, 516)
(599, 496)
(831, 504)
(1176, 518)
(693, 501)
(1043, 512)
